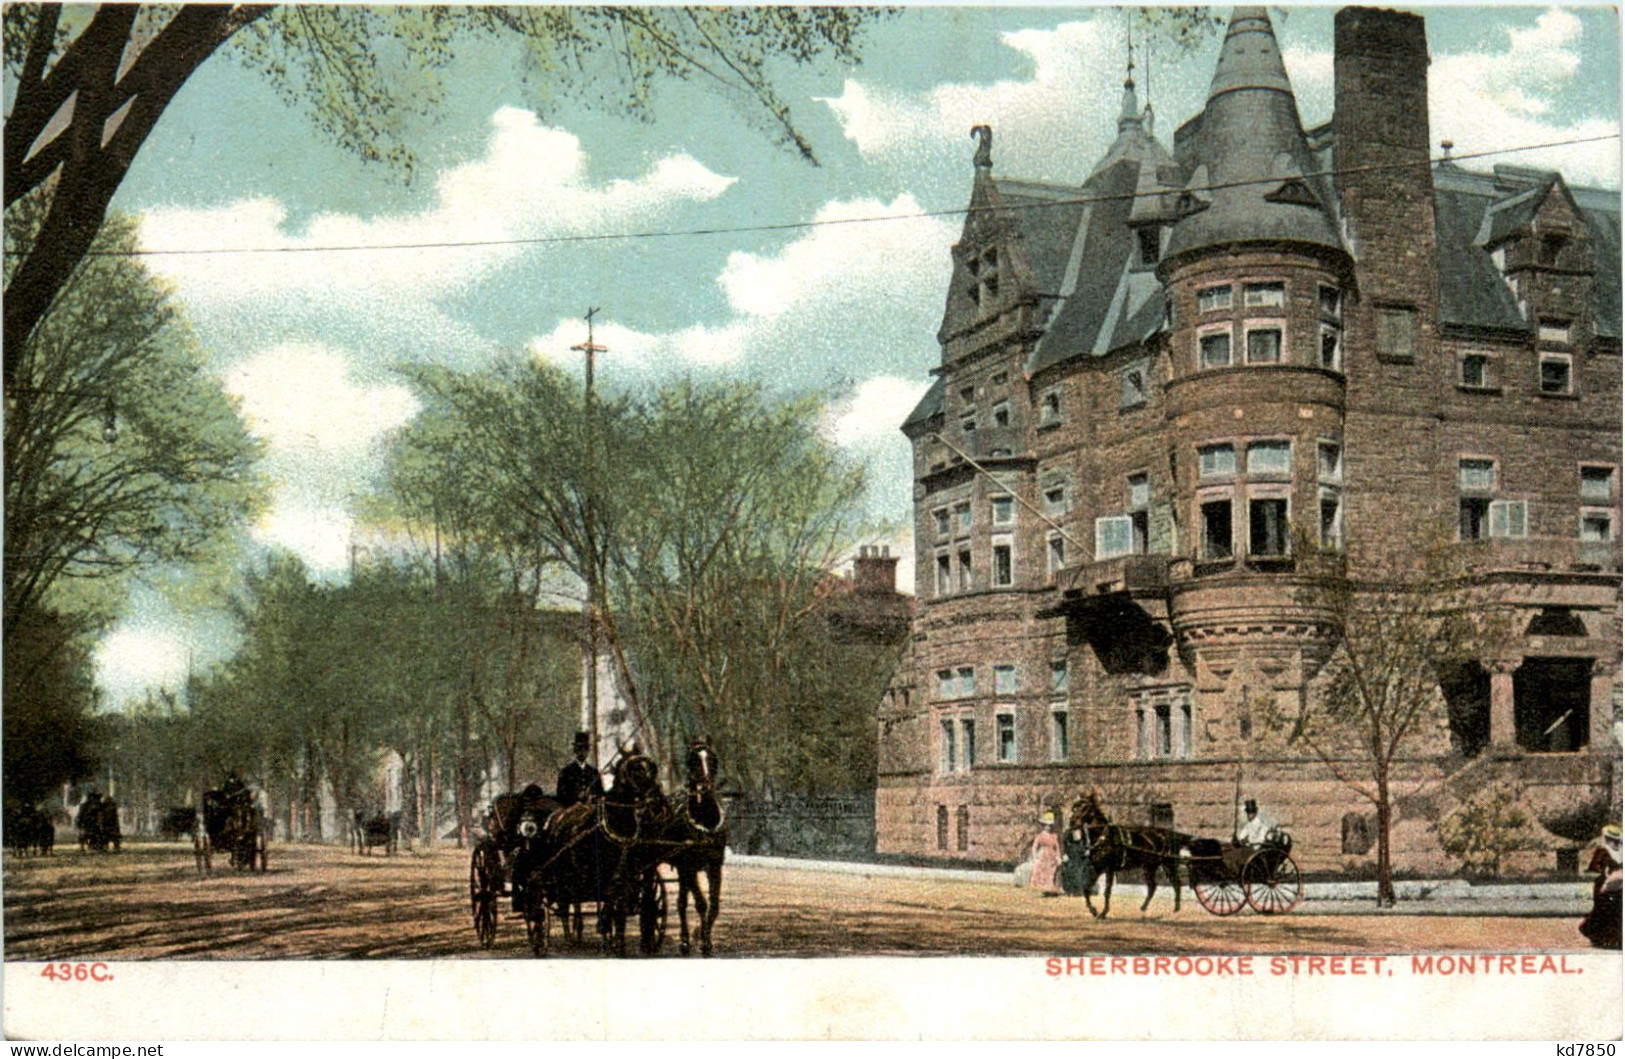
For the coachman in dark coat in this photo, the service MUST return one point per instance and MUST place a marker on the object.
(579, 780)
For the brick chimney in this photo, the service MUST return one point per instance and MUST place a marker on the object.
(874, 571)
(1385, 181)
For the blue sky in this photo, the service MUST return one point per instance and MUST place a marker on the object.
(308, 341)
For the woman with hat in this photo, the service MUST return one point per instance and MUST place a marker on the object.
(1602, 926)
(1047, 858)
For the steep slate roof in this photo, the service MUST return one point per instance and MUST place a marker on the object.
(1248, 159)
(929, 407)
(1475, 211)
(1083, 255)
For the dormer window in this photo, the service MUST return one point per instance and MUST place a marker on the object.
(984, 273)
(1212, 299)
(1150, 245)
(1551, 246)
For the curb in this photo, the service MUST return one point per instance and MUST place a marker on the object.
(1575, 894)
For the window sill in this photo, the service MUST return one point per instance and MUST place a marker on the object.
(1569, 396)
(1201, 567)
(1396, 358)
(1485, 390)
(1051, 424)
(1132, 406)
(1271, 563)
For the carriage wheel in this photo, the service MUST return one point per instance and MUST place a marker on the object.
(482, 898)
(1272, 882)
(537, 917)
(652, 913)
(1217, 891)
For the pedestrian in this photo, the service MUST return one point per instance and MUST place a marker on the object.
(1046, 859)
(1077, 870)
(1602, 925)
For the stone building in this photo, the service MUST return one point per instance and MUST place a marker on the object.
(1173, 397)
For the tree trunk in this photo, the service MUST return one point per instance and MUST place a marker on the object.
(1385, 865)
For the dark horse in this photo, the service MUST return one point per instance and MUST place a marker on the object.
(697, 841)
(599, 850)
(1116, 847)
(380, 829)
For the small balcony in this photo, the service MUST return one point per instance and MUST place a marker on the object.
(1136, 575)
(1541, 555)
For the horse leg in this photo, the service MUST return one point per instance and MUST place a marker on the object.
(686, 882)
(1150, 883)
(1106, 894)
(713, 904)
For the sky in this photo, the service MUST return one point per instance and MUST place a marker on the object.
(309, 342)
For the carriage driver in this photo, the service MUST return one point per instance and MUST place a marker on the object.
(579, 780)
(1253, 831)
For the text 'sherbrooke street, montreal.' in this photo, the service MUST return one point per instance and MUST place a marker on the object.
(1277, 966)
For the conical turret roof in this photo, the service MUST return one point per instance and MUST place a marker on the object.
(1250, 160)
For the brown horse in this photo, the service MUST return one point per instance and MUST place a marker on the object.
(700, 828)
(1116, 847)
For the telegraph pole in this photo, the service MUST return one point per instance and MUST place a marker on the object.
(589, 611)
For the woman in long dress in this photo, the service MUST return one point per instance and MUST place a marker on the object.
(1046, 859)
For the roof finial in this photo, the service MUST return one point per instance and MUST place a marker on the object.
(983, 135)
(1129, 116)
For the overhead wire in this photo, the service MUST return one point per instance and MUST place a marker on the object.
(787, 226)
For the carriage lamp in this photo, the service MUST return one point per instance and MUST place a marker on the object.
(528, 828)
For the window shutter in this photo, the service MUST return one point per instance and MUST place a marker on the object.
(1114, 536)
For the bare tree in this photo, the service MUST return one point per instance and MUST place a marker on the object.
(1390, 640)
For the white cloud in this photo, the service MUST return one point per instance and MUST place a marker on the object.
(875, 411)
(532, 182)
(320, 535)
(133, 657)
(323, 429)
(1489, 100)
(301, 397)
(1064, 112)
(846, 275)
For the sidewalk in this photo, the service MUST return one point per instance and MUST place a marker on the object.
(1436, 897)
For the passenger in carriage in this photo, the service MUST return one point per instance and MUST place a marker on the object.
(578, 780)
(1253, 831)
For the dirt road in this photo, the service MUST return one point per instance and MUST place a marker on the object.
(320, 902)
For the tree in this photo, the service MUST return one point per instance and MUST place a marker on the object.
(1487, 828)
(48, 734)
(358, 71)
(172, 486)
(711, 516)
(1391, 641)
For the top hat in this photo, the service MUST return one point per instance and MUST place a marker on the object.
(1048, 818)
(1251, 806)
(1611, 835)
(583, 741)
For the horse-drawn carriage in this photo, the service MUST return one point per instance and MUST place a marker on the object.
(1224, 875)
(1264, 877)
(235, 825)
(613, 853)
(98, 824)
(367, 833)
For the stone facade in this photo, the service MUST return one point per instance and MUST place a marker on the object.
(1175, 400)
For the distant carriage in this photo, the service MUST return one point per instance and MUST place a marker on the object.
(98, 824)
(380, 829)
(235, 826)
(28, 829)
(179, 821)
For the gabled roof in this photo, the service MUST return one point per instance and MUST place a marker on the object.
(930, 405)
(1476, 211)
